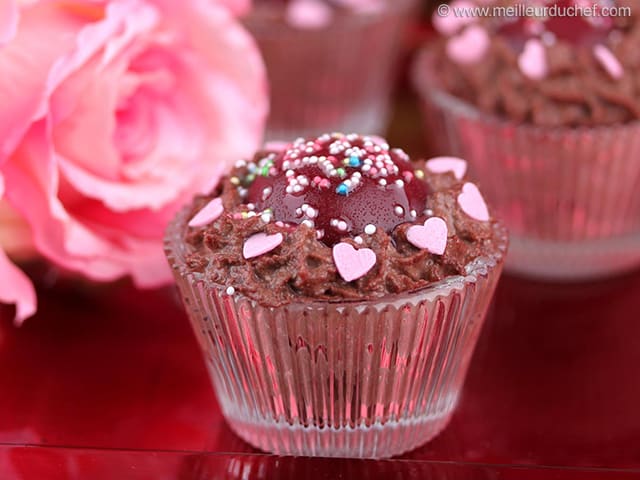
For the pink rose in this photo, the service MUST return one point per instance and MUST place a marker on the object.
(114, 114)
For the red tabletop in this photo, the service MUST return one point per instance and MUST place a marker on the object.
(109, 383)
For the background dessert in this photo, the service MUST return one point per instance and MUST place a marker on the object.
(332, 284)
(545, 111)
(331, 64)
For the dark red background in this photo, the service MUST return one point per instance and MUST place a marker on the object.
(108, 383)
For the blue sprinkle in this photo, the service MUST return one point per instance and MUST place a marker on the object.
(342, 189)
(354, 161)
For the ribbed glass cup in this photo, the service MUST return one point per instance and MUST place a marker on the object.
(335, 78)
(569, 196)
(349, 379)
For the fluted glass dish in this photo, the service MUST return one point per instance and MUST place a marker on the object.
(371, 378)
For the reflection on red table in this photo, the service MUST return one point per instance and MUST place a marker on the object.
(110, 384)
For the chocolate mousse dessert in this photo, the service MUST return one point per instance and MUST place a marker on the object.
(286, 215)
(338, 290)
(559, 69)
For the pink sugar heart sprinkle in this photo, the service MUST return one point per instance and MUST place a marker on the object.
(533, 60)
(431, 236)
(469, 46)
(208, 214)
(448, 164)
(260, 243)
(309, 14)
(351, 263)
(472, 203)
(608, 61)
(451, 24)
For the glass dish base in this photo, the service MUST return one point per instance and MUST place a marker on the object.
(568, 261)
(375, 441)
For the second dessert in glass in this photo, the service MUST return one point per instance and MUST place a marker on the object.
(546, 110)
(331, 63)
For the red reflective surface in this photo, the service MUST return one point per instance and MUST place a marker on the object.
(109, 383)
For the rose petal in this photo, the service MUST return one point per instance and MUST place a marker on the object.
(233, 81)
(9, 17)
(84, 104)
(25, 63)
(32, 185)
(15, 287)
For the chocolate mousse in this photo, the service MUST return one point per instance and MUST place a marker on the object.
(338, 217)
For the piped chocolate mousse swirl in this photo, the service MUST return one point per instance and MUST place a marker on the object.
(338, 217)
(554, 70)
